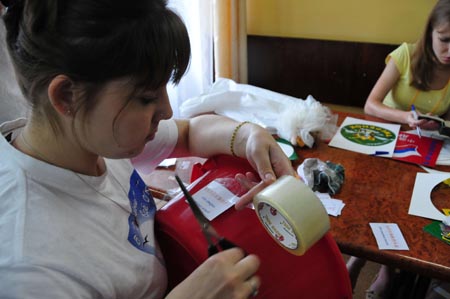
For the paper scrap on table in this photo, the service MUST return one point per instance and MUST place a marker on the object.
(367, 137)
(333, 206)
(168, 162)
(388, 236)
(214, 199)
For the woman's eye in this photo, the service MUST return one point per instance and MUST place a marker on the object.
(147, 100)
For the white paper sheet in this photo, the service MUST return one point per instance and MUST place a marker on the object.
(168, 162)
(421, 204)
(214, 199)
(333, 206)
(367, 137)
(389, 236)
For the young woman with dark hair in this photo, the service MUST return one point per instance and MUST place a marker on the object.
(76, 220)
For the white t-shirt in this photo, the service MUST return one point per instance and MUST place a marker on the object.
(66, 235)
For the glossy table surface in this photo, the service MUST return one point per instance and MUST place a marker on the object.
(379, 190)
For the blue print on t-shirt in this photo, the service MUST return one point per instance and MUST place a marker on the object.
(141, 220)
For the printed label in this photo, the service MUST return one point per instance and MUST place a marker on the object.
(370, 135)
(277, 225)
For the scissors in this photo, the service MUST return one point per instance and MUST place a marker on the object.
(216, 242)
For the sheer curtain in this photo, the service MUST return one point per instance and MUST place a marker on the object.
(230, 39)
(218, 34)
(197, 15)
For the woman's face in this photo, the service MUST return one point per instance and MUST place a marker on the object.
(441, 43)
(119, 127)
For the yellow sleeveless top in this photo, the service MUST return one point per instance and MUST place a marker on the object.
(403, 95)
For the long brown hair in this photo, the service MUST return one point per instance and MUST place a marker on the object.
(93, 42)
(424, 60)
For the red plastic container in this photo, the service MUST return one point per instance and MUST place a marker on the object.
(319, 273)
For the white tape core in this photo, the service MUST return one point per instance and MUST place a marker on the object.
(277, 225)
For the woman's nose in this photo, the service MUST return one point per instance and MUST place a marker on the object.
(166, 111)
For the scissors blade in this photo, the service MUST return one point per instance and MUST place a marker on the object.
(208, 230)
(202, 220)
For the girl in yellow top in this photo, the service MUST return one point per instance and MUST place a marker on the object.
(416, 74)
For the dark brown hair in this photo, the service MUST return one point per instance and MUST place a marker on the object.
(93, 42)
(424, 60)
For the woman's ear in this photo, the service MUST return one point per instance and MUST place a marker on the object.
(61, 96)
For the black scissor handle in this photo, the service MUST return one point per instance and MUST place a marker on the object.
(222, 244)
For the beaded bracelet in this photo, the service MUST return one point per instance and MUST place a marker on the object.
(233, 136)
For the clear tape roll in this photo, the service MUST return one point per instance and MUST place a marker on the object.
(292, 214)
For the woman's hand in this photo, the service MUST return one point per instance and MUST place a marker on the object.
(265, 155)
(209, 135)
(411, 119)
(226, 275)
(253, 184)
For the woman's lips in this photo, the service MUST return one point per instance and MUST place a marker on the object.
(151, 136)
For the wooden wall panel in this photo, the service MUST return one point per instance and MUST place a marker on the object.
(331, 71)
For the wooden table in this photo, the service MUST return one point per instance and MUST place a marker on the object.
(379, 189)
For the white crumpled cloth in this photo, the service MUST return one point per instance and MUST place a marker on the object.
(283, 115)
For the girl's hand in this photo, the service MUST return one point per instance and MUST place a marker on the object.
(227, 274)
(411, 119)
(253, 184)
(266, 157)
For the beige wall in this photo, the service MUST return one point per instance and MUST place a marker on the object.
(378, 21)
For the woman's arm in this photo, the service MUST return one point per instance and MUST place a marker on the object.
(209, 135)
(374, 104)
(204, 136)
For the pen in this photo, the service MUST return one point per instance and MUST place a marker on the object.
(379, 153)
(416, 117)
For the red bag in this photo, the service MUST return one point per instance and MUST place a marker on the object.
(319, 273)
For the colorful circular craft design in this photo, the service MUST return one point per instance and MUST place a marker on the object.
(369, 135)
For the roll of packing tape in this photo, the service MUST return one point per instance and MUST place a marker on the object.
(292, 214)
